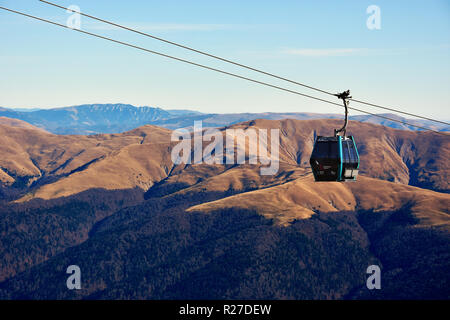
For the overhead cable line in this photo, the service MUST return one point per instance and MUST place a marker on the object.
(210, 68)
(403, 112)
(237, 63)
(186, 47)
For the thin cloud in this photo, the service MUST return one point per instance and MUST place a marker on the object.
(325, 52)
(165, 27)
(308, 52)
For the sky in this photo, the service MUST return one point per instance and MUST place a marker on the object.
(404, 64)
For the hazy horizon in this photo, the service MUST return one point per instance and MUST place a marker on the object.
(30, 109)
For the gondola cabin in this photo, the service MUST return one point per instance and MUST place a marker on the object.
(335, 159)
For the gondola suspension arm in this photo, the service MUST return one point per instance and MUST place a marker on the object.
(344, 96)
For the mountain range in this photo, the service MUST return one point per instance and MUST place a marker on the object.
(141, 227)
(116, 118)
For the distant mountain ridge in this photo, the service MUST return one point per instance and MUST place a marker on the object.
(116, 118)
(90, 119)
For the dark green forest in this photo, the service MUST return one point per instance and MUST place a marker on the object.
(131, 248)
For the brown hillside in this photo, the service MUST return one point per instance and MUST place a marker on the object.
(393, 155)
(18, 123)
(72, 164)
(303, 197)
(416, 158)
(54, 165)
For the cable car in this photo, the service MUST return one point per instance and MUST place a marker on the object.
(336, 158)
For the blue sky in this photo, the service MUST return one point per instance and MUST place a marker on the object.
(326, 44)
